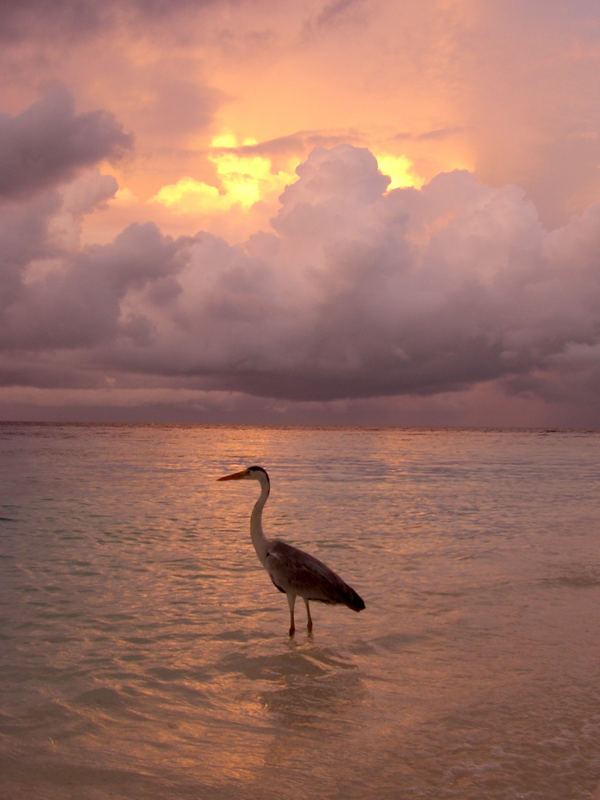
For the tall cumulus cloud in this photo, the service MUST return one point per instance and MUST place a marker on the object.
(354, 292)
(360, 293)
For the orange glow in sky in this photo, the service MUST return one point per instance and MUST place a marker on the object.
(401, 171)
(245, 180)
(242, 181)
(162, 151)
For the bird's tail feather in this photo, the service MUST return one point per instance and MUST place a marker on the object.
(352, 599)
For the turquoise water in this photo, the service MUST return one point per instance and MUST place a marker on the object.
(144, 652)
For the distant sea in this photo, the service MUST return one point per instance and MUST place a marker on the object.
(144, 653)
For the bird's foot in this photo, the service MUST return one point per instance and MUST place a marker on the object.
(292, 630)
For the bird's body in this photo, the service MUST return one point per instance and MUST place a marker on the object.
(294, 572)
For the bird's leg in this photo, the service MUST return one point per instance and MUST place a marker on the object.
(291, 600)
(308, 616)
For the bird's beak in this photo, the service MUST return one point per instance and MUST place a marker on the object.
(235, 476)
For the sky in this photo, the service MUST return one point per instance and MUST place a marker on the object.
(328, 212)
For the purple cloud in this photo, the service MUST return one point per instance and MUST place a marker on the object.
(48, 143)
(66, 19)
(355, 294)
(80, 305)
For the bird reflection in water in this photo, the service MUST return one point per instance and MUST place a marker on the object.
(311, 685)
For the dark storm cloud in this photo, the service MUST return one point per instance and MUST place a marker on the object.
(49, 142)
(355, 294)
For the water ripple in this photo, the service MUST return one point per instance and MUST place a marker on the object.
(145, 653)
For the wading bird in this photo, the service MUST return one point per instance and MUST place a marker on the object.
(293, 571)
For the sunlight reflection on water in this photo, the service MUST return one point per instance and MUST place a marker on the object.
(145, 654)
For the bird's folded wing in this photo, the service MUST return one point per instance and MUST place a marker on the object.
(293, 570)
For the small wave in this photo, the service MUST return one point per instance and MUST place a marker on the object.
(102, 697)
(575, 577)
(394, 642)
(573, 581)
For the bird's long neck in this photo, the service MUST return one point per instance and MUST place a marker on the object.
(259, 539)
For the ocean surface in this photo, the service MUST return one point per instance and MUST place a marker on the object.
(144, 652)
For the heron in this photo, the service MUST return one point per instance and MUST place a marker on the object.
(293, 572)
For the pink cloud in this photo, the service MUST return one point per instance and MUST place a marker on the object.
(482, 285)
(356, 294)
(48, 143)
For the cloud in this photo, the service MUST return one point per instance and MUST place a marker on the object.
(355, 294)
(174, 105)
(334, 14)
(19, 20)
(48, 143)
(438, 134)
(79, 304)
(41, 230)
(293, 145)
(23, 238)
(536, 117)
(354, 291)
(66, 19)
(362, 294)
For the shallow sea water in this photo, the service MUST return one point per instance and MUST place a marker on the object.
(144, 652)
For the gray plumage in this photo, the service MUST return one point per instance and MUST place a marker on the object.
(294, 572)
(308, 577)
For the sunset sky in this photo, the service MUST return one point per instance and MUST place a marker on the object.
(355, 211)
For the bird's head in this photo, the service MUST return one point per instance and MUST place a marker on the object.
(250, 473)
